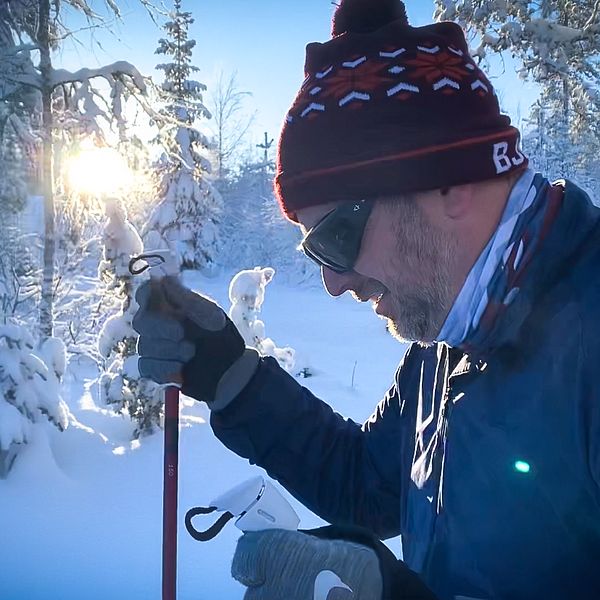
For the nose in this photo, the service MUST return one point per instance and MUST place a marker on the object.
(336, 284)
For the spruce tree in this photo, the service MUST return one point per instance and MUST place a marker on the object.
(557, 45)
(121, 385)
(29, 389)
(187, 216)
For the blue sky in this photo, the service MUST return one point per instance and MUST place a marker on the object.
(262, 40)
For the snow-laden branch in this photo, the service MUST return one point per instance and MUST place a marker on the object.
(109, 72)
(556, 34)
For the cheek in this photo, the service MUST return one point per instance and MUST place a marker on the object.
(385, 251)
(377, 258)
(371, 265)
(400, 265)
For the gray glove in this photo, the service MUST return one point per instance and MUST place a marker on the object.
(291, 565)
(187, 339)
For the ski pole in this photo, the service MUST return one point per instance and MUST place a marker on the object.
(162, 263)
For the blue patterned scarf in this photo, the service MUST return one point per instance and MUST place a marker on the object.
(493, 282)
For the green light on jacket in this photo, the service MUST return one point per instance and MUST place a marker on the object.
(522, 467)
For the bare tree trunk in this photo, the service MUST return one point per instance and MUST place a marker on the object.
(227, 104)
(46, 321)
(564, 20)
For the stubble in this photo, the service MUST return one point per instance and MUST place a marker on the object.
(421, 295)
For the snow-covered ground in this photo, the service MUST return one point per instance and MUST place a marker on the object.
(81, 511)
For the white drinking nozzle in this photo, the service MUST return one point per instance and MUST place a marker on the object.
(255, 504)
(258, 505)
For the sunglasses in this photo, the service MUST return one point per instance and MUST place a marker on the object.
(334, 242)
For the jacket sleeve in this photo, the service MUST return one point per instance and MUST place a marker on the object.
(346, 473)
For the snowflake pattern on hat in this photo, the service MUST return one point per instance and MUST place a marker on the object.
(392, 74)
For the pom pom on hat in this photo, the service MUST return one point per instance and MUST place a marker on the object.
(364, 16)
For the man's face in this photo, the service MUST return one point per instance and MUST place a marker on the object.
(404, 267)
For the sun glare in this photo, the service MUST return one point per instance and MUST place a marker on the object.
(98, 172)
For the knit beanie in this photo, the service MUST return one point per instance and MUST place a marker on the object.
(387, 109)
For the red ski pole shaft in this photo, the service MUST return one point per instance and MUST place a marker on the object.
(171, 460)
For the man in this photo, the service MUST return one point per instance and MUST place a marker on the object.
(485, 454)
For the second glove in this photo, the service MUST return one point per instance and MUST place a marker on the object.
(341, 563)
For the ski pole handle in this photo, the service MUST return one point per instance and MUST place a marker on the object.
(160, 263)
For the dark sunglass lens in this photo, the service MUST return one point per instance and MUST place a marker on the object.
(322, 259)
(335, 241)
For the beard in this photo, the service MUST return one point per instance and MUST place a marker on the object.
(417, 316)
(420, 294)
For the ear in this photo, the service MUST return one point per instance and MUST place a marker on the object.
(457, 201)
(268, 274)
(445, 208)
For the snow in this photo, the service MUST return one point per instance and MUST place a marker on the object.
(121, 240)
(120, 385)
(110, 73)
(29, 391)
(54, 353)
(115, 329)
(80, 512)
(247, 294)
(13, 427)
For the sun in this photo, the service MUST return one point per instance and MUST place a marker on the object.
(98, 172)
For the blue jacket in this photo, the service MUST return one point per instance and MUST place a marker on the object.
(488, 465)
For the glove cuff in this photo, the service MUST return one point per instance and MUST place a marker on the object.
(235, 379)
(398, 580)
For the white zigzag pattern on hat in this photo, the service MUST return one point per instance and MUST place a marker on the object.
(324, 73)
(403, 87)
(354, 96)
(393, 54)
(312, 107)
(352, 64)
(479, 84)
(446, 82)
(433, 50)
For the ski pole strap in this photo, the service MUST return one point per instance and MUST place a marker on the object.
(213, 530)
(150, 259)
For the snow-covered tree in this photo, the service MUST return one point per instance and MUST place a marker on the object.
(121, 385)
(230, 123)
(247, 294)
(18, 105)
(188, 212)
(13, 173)
(29, 389)
(557, 43)
(255, 230)
(553, 149)
(19, 286)
(36, 27)
(137, 155)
